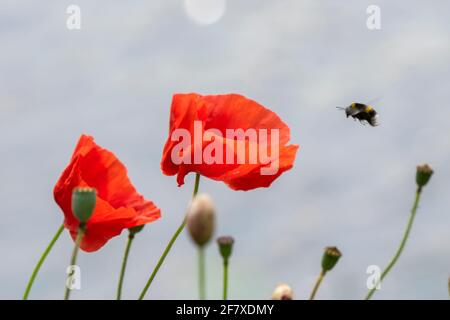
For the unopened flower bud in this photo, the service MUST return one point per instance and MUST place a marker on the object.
(200, 219)
(83, 203)
(423, 175)
(282, 292)
(330, 258)
(225, 246)
(136, 229)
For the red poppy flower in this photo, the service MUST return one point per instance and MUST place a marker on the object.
(118, 205)
(227, 138)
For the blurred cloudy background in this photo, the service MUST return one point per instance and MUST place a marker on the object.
(352, 186)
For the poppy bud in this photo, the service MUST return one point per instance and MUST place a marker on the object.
(282, 292)
(225, 246)
(83, 203)
(200, 219)
(136, 229)
(423, 175)
(330, 258)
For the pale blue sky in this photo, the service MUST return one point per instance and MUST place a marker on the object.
(352, 185)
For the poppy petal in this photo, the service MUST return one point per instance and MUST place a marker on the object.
(119, 206)
(220, 113)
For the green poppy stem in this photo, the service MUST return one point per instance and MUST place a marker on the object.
(73, 260)
(225, 279)
(201, 272)
(41, 261)
(124, 264)
(402, 244)
(317, 285)
(169, 245)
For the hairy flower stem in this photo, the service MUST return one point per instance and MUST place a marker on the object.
(41, 261)
(169, 245)
(124, 264)
(73, 259)
(201, 272)
(317, 285)
(225, 279)
(402, 244)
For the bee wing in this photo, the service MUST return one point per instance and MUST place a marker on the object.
(352, 111)
(371, 101)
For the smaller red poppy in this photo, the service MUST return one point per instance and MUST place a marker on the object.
(119, 206)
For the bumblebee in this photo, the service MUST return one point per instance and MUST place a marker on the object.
(362, 112)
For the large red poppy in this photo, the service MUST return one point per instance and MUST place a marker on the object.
(214, 115)
(118, 205)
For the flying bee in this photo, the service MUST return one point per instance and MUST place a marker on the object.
(362, 112)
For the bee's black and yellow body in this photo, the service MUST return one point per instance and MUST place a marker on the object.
(362, 112)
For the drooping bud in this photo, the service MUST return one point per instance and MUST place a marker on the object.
(83, 203)
(225, 246)
(423, 175)
(201, 219)
(330, 258)
(136, 229)
(283, 292)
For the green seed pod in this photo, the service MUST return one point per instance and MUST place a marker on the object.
(423, 175)
(201, 219)
(83, 203)
(225, 246)
(330, 258)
